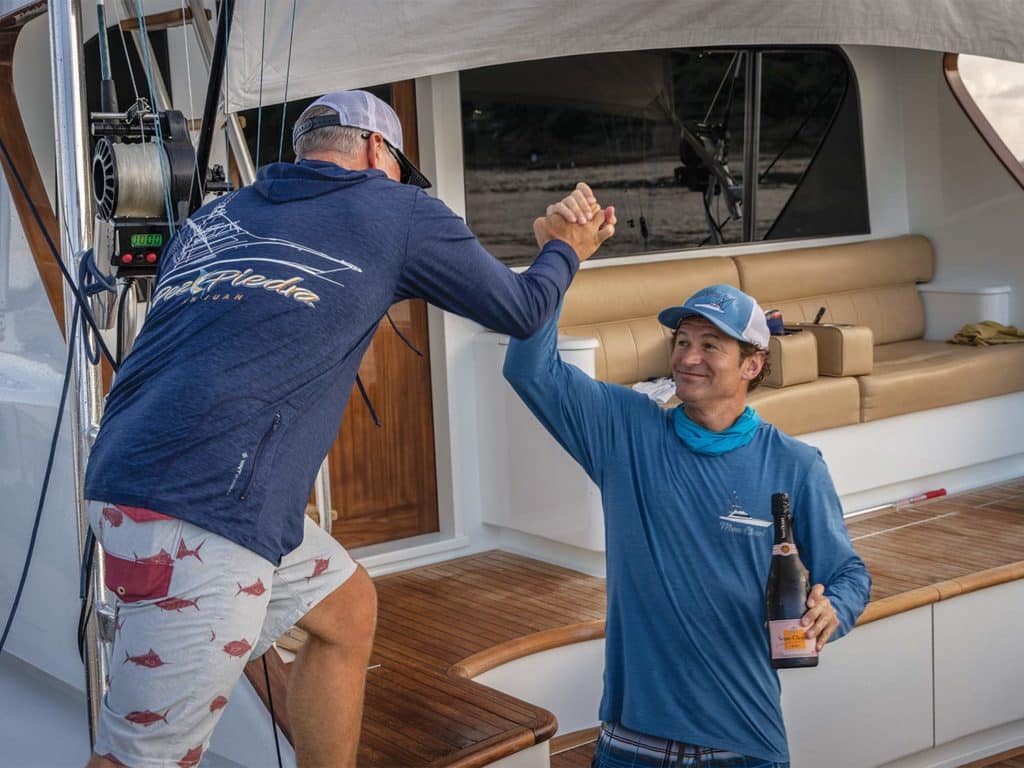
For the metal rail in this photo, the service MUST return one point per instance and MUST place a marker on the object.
(74, 206)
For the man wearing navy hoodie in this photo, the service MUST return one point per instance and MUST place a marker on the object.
(220, 417)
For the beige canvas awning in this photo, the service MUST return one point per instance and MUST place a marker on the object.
(345, 45)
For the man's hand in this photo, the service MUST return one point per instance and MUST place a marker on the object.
(578, 220)
(821, 619)
(577, 206)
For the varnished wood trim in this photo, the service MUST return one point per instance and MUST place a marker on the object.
(915, 598)
(901, 603)
(568, 741)
(158, 21)
(950, 65)
(991, 577)
(12, 131)
(491, 750)
(490, 658)
(23, 16)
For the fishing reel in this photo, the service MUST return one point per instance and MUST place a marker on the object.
(704, 155)
(142, 170)
(143, 167)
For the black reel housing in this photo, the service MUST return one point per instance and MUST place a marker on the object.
(143, 162)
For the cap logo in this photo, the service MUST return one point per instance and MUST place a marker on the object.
(719, 303)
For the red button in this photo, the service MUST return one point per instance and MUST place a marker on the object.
(151, 258)
(126, 258)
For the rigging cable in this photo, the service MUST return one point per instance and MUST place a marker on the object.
(147, 64)
(287, 79)
(259, 112)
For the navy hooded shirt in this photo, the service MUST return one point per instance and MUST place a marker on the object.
(267, 299)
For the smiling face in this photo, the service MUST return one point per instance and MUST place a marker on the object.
(708, 367)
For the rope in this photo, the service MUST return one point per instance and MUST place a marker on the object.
(56, 254)
(46, 479)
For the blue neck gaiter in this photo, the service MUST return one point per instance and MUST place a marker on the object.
(704, 441)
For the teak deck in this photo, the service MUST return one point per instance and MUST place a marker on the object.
(439, 623)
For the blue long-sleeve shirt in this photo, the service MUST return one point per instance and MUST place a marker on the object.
(686, 651)
(266, 301)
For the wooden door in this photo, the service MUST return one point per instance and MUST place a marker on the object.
(383, 479)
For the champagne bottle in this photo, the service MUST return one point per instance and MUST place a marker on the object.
(786, 596)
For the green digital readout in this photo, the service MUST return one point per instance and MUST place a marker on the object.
(147, 240)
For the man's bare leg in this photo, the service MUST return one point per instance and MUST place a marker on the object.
(326, 684)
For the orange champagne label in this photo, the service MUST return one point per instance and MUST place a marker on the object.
(789, 640)
(784, 549)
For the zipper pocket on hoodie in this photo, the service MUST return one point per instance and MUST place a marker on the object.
(256, 456)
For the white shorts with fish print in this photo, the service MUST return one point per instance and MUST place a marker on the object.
(192, 609)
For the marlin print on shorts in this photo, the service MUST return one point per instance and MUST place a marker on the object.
(184, 551)
(163, 557)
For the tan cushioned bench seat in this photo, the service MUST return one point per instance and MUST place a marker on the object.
(870, 283)
(917, 375)
(820, 404)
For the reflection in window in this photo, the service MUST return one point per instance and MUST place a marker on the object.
(658, 134)
(997, 87)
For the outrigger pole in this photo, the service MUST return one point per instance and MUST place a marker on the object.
(75, 217)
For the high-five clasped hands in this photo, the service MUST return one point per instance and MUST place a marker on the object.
(577, 219)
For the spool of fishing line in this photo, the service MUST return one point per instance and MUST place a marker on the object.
(128, 179)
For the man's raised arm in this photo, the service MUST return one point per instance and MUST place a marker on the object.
(449, 267)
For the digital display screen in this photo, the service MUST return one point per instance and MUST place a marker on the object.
(147, 240)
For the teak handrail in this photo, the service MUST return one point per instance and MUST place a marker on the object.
(951, 67)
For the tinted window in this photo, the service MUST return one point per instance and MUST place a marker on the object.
(658, 134)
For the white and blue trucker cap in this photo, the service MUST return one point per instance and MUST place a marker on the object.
(729, 309)
(361, 109)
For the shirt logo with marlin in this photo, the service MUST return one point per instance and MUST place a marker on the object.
(236, 254)
(737, 521)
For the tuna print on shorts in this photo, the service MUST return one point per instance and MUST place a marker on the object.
(146, 717)
(191, 757)
(219, 703)
(255, 589)
(113, 515)
(319, 566)
(176, 604)
(150, 660)
(237, 647)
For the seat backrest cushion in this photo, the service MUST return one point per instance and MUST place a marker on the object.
(870, 283)
(619, 306)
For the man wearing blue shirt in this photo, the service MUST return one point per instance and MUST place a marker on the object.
(233, 393)
(687, 504)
